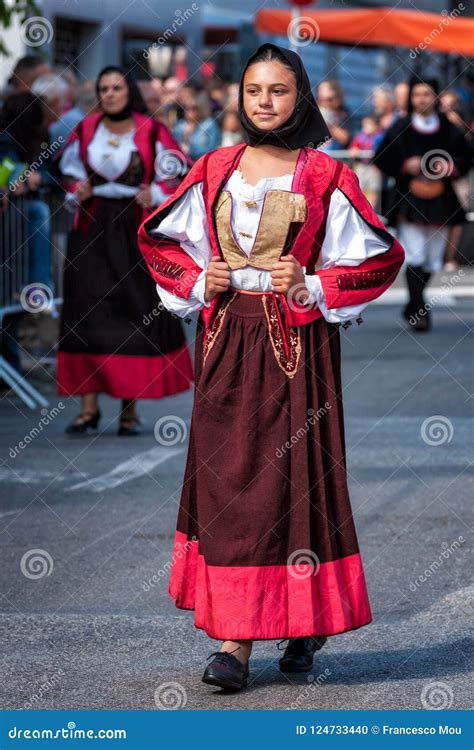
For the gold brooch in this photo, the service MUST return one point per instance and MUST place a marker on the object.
(246, 234)
(251, 204)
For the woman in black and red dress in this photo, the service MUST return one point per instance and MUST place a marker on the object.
(115, 336)
(276, 246)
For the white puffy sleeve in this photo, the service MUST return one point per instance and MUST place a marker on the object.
(70, 163)
(348, 242)
(187, 223)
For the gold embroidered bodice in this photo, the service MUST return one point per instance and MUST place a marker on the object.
(280, 209)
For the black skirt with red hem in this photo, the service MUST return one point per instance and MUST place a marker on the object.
(115, 336)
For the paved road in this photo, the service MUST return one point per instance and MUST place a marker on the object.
(86, 631)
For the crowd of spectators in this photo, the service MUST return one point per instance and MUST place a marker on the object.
(41, 105)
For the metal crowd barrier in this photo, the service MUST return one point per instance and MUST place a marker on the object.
(15, 280)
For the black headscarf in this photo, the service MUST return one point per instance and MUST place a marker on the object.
(305, 126)
(135, 101)
(414, 81)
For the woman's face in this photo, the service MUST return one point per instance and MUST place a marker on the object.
(113, 93)
(269, 94)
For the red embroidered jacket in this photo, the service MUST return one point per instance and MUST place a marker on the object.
(317, 176)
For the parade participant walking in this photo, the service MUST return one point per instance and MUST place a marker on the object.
(275, 244)
(424, 151)
(114, 338)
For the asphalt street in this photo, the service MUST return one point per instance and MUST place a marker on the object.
(87, 526)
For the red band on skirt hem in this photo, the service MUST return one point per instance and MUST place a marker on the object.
(124, 376)
(269, 602)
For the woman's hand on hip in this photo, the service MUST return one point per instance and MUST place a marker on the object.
(84, 191)
(144, 198)
(288, 276)
(217, 278)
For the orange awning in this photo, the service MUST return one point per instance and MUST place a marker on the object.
(379, 27)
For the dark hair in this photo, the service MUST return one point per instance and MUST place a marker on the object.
(25, 65)
(416, 80)
(270, 53)
(135, 98)
(22, 117)
(28, 62)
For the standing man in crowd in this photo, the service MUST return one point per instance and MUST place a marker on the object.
(25, 73)
(424, 151)
(384, 105)
(331, 103)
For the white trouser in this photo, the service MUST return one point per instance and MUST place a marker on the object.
(424, 244)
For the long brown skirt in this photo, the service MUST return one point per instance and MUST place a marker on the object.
(265, 546)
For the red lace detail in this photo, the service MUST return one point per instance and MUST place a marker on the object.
(213, 330)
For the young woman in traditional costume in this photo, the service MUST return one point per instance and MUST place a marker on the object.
(114, 338)
(276, 245)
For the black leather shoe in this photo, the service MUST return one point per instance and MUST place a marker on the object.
(85, 421)
(226, 671)
(299, 653)
(422, 323)
(128, 426)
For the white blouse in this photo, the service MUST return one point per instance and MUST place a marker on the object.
(348, 241)
(423, 124)
(110, 161)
